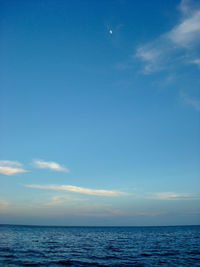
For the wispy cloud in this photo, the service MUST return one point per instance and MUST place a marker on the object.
(186, 33)
(175, 46)
(196, 61)
(8, 167)
(183, 7)
(62, 199)
(41, 164)
(151, 55)
(194, 102)
(173, 196)
(77, 189)
(149, 214)
(10, 163)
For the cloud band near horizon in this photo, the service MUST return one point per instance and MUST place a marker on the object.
(77, 189)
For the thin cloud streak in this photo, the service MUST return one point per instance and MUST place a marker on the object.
(62, 199)
(41, 164)
(10, 163)
(173, 196)
(77, 189)
(195, 103)
(8, 167)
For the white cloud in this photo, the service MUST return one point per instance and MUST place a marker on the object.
(8, 167)
(173, 196)
(41, 164)
(175, 46)
(10, 163)
(77, 189)
(10, 170)
(195, 103)
(187, 32)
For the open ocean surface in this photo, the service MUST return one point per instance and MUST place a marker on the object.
(99, 246)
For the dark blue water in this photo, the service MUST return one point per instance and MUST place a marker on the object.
(99, 246)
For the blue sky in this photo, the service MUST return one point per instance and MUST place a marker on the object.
(99, 112)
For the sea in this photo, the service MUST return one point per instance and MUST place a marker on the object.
(99, 246)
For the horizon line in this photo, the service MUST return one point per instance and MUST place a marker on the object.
(45, 225)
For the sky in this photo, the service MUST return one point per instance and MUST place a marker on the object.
(99, 112)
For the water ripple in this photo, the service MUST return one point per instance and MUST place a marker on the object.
(99, 246)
